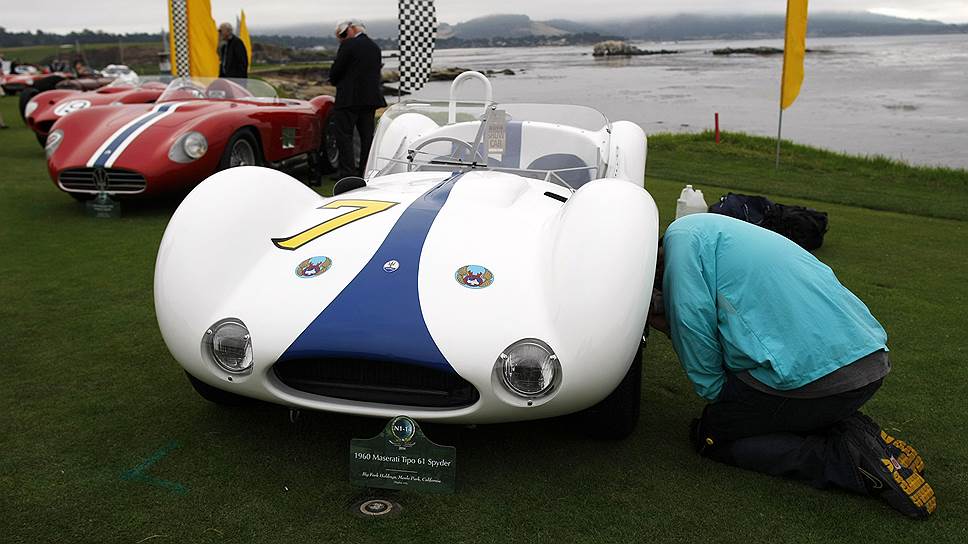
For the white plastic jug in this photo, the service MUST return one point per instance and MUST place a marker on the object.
(690, 201)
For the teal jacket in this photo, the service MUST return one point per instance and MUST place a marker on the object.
(739, 297)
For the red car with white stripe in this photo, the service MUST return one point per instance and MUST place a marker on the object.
(197, 127)
(44, 109)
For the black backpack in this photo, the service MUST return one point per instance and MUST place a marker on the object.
(805, 226)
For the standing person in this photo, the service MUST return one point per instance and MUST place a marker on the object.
(233, 58)
(786, 356)
(357, 74)
(2, 94)
(3, 72)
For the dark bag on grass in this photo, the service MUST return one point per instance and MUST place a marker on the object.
(752, 209)
(804, 226)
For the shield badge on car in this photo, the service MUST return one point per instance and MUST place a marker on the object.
(313, 266)
(474, 277)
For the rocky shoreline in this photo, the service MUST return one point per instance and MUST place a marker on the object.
(309, 81)
(616, 48)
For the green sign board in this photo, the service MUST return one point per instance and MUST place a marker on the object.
(401, 457)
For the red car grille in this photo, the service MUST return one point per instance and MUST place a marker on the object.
(118, 181)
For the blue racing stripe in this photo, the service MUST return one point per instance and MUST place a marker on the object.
(378, 315)
(116, 143)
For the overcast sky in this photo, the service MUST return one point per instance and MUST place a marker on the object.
(151, 15)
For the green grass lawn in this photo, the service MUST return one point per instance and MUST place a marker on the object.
(90, 392)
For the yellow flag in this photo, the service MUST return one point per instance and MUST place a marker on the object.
(244, 36)
(793, 50)
(193, 37)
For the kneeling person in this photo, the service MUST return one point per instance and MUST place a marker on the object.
(785, 355)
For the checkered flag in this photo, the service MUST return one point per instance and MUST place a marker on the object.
(418, 30)
(179, 33)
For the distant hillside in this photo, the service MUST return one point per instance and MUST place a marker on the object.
(658, 28)
(694, 27)
(521, 30)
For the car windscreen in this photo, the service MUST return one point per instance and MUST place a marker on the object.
(561, 143)
(198, 88)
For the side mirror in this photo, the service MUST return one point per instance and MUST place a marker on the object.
(348, 184)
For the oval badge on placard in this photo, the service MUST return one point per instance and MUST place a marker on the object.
(313, 266)
(473, 276)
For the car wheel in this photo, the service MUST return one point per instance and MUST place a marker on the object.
(216, 395)
(48, 83)
(617, 415)
(242, 150)
(328, 152)
(25, 96)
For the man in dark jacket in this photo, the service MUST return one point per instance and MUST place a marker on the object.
(233, 58)
(357, 75)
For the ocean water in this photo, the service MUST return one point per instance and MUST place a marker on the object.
(904, 97)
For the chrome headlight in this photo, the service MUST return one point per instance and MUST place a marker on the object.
(31, 107)
(230, 346)
(54, 140)
(188, 147)
(529, 368)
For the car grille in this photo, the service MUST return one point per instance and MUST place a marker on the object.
(377, 381)
(118, 181)
(45, 126)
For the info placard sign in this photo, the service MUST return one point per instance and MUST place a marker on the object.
(401, 457)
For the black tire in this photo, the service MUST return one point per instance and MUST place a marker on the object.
(239, 144)
(615, 417)
(41, 139)
(48, 83)
(328, 152)
(216, 395)
(25, 96)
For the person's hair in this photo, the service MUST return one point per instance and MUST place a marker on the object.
(345, 26)
(225, 25)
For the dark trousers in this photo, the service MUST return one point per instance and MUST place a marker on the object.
(362, 119)
(803, 439)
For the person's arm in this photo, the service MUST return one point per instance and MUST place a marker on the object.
(690, 299)
(243, 58)
(338, 68)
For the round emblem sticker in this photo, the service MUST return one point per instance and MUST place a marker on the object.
(474, 277)
(71, 107)
(313, 266)
(403, 429)
(391, 266)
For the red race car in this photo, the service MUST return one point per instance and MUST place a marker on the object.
(197, 127)
(44, 109)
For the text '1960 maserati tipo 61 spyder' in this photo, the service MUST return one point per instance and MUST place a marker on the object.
(496, 265)
(197, 127)
(46, 108)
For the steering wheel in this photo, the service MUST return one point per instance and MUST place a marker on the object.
(460, 143)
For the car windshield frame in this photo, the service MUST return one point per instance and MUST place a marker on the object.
(213, 88)
(478, 135)
(139, 81)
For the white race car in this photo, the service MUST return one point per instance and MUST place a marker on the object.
(495, 265)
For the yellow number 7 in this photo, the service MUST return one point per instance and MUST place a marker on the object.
(364, 208)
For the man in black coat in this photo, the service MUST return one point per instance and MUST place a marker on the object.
(357, 74)
(233, 58)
